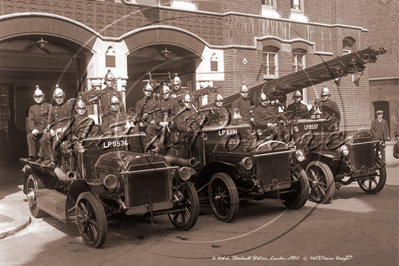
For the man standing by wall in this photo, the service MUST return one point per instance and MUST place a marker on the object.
(379, 127)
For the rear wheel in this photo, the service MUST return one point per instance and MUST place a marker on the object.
(33, 185)
(321, 182)
(91, 220)
(223, 197)
(374, 184)
(190, 204)
(298, 197)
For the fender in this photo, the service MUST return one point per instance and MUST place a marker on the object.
(77, 188)
(206, 173)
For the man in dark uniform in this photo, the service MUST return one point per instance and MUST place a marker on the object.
(329, 111)
(38, 117)
(109, 91)
(144, 106)
(299, 110)
(166, 103)
(113, 116)
(80, 129)
(219, 115)
(241, 108)
(59, 116)
(264, 114)
(379, 127)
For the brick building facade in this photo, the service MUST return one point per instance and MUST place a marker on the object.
(220, 42)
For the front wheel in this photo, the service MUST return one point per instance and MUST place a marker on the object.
(298, 197)
(189, 204)
(33, 186)
(223, 197)
(321, 182)
(91, 220)
(374, 184)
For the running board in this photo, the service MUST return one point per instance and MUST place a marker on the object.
(53, 203)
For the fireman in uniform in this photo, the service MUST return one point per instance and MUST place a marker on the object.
(241, 108)
(219, 114)
(144, 106)
(81, 125)
(105, 99)
(299, 110)
(167, 103)
(114, 115)
(38, 117)
(329, 111)
(264, 114)
(176, 85)
(59, 116)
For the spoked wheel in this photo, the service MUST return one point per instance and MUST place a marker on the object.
(91, 220)
(374, 184)
(321, 182)
(33, 186)
(298, 197)
(223, 197)
(190, 204)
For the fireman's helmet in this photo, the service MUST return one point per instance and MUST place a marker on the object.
(38, 95)
(325, 92)
(165, 91)
(114, 104)
(297, 94)
(176, 80)
(244, 88)
(109, 78)
(187, 100)
(58, 95)
(80, 106)
(219, 100)
(148, 87)
(263, 100)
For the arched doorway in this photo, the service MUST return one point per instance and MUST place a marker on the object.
(162, 61)
(162, 50)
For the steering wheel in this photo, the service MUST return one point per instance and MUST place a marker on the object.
(199, 120)
(95, 130)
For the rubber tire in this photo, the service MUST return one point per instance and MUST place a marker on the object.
(96, 217)
(34, 184)
(223, 187)
(192, 205)
(324, 183)
(380, 184)
(297, 199)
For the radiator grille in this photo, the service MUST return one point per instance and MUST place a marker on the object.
(154, 185)
(362, 155)
(273, 166)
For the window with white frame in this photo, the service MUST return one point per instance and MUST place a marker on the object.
(268, 3)
(269, 9)
(270, 65)
(298, 61)
(297, 5)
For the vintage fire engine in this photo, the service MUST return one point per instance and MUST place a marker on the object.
(233, 163)
(333, 158)
(111, 177)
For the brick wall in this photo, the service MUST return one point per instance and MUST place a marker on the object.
(243, 6)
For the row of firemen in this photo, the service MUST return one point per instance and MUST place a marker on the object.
(49, 125)
(263, 112)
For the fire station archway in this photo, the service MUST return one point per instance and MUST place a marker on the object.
(44, 50)
(161, 51)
